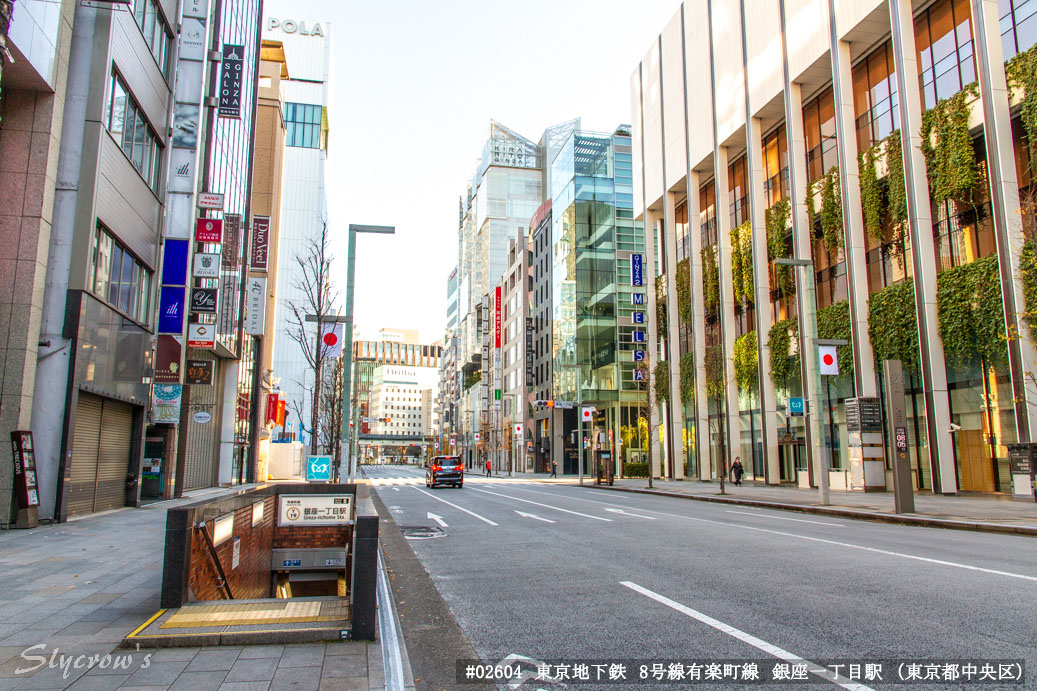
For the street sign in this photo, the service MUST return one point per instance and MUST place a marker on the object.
(828, 360)
(564, 405)
(318, 468)
(639, 356)
(795, 406)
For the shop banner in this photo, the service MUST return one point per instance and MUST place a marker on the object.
(165, 404)
(206, 265)
(260, 243)
(168, 351)
(231, 70)
(174, 262)
(209, 230)
(231, 241)
(171, 309)
(198, 372)
(201, 336)
(204, 300)
(255, 305)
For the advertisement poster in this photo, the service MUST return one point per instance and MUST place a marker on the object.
(165, 404)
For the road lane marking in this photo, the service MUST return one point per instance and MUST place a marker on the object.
(459, 508)
(780, 518)
(533, 515)
(438, 519)
(752, 640)
(547, 506)
(627, 513)
(941, 562)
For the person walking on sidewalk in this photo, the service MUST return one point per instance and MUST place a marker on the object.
(488, 473)
(737, 470)
(554, 468)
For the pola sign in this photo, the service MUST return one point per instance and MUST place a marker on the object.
(290, 26)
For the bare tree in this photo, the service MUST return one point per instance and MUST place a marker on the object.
(331, 407)
(296, 406)
(317, 302)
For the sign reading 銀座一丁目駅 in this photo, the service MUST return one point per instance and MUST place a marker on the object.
(314, 509)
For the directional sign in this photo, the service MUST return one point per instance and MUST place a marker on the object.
(534, 516)
(639, 356)
(438, 519)
(318, 468)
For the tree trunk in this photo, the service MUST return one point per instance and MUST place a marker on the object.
(315, 406)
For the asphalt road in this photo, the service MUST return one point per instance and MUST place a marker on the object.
(551, 571)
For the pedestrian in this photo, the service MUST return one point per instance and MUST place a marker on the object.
(554, 468)
(737, 470)
(488, 473)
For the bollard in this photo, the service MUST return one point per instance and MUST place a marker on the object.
(363, 595)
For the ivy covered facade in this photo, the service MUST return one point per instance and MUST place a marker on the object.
(923, 245)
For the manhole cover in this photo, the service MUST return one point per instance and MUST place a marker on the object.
(421, 532)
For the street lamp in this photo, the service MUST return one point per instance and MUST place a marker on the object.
(813, 371)
(348, 345)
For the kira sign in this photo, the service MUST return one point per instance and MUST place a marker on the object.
(198, 372)
(209, 230)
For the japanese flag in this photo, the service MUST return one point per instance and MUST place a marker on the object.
(828, 360)
(331, 338)
(518, 430)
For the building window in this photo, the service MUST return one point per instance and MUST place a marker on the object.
(125, 122)
(156, 35)
(117, 277)
(819, 130)
(1018, 25)
(943, 38)
(303, 123)
(875, 97)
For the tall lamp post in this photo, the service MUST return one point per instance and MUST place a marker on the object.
(347, 371)
(812, 371)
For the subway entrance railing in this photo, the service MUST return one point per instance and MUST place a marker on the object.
(276, 563)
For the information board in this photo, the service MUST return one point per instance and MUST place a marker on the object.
(314, 509)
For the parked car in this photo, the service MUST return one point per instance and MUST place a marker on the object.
(444, 470)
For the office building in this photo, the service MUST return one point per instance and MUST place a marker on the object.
(306, 94)
(883, 141)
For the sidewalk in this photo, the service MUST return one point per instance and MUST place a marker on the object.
(968, 512)
(72, 591)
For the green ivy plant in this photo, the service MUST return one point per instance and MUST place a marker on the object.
(683, 280)
(779, 244)
(832, 211)
(1022, 74)
(970, 308)
(871, 191)
(660, 304)
(892, 328)
(784, 363)
(747, 362)
(661, 377)
(710, 281)
(950, 159)
(742, 277)
(687, 377)
(1028, 269)
(713, 359)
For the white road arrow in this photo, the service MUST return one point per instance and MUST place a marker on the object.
(532, 515)
(438, 519)
(627, 513)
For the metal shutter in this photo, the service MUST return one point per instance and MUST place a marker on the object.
(85, 441)
(202, 458)
(113, 457)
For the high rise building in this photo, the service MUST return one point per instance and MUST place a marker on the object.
(805, 128)
(306, 94)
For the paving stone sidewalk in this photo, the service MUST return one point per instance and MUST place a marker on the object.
(971, 508)
(72, 591)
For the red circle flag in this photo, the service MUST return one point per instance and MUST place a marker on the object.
(330, 338)
(828, 359)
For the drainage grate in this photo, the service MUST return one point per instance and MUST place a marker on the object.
(421, 532)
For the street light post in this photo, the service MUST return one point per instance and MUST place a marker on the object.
(813, 371)
(347, 346)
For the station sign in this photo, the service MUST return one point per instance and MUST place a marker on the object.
(314, 509)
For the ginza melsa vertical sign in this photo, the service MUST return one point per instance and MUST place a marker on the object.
(230, 81)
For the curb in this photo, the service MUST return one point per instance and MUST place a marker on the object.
(976, 526)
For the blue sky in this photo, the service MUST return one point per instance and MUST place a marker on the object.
(415, 86)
